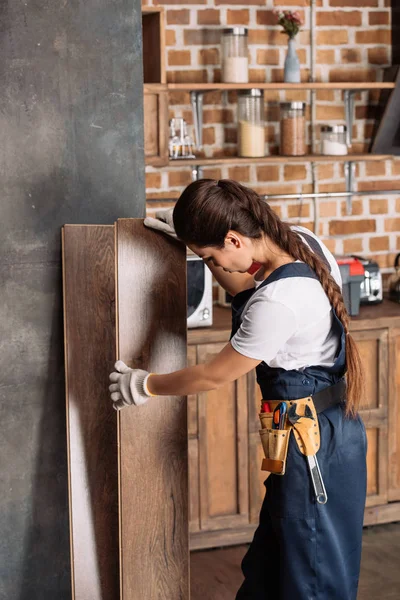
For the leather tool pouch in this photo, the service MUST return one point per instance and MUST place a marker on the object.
(306, 427)
(276, 441)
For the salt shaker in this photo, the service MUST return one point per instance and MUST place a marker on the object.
(333, 140)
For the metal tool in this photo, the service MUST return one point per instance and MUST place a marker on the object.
(316, 477)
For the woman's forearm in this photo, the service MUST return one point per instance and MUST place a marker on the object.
(191, 380)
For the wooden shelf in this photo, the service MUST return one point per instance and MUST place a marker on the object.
(207, 87)
(236, 160)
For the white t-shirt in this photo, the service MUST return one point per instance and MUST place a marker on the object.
(287, 323)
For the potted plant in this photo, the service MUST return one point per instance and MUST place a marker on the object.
(291, 23)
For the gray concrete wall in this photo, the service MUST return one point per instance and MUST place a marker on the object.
(71, 151)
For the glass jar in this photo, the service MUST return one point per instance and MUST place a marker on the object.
(293, 129)
(333, 140)
(251, 133)
(235, 61)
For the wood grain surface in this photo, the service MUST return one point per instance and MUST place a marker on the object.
(151, 322)
(89, 327)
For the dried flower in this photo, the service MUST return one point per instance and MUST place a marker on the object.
(290, 21)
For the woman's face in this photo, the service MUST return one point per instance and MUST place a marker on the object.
(234, 257)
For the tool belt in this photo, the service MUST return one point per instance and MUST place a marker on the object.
(301, 419)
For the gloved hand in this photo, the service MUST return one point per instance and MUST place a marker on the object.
(128, 386)
(163, 222)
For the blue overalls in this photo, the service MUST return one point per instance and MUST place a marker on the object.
(303, 550)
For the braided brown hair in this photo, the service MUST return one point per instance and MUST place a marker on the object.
(208, 209)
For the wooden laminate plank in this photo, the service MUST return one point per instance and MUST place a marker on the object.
(89, 326)
(151, 323)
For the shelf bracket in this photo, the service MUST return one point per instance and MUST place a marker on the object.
(197, 172)
(196, 99)
(349, 173)
(349, 113)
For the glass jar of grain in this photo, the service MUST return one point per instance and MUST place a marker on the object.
(293, 129)
(235, 66)
(251, 134)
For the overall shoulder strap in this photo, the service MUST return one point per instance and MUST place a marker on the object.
(315, 247)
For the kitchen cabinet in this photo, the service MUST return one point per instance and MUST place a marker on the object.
(225, 453)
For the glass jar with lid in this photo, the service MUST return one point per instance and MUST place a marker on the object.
(333, 140)
(251, 132)
(235, 61)
(293, 129)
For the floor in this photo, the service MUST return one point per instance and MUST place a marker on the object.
(216, 574)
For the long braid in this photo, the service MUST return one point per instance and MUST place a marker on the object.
(291, 243)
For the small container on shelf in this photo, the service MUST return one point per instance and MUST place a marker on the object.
(235, 61)
(333, 140)
(293, 129)
(251, 132)
(180, 144)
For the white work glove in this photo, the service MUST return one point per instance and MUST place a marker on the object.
(129, 386)
(163, 222)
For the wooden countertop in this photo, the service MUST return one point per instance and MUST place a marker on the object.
(371, 317)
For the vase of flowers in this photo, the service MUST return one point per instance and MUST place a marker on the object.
(291, 23)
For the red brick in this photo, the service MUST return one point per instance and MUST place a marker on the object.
(208, 56)
(170, 37)
(158, 2)
(381, 17)
(230, 135)
(153, 180)
(392, 225)
(268, 56)
(379, 243)
(298, 211)
(295, 172)
(326, 95)
(373, 36)
(208, 135)
(331, 244)
(199, 76)
(210, 16)
(339, 18)
(382, 184)
(330, 113)
(355, 74)
(325, 171)
(350, 55)
(238, 17)
(352, 245)
(248, 2)
(344, 227)
(257, 75)
(378, 56)
(326, 57)
(212, 173)
(353, 3)
(179, 178)
(267, 37)
(218, 115)
(201, 37)
(178, 57)
(266, 17)
(162, 195)
(278, 3)
(178, 17)
(268, 173)
(356, 208)
(332, 37)
(377, 169)
(239, 173)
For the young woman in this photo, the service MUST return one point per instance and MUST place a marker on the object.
(290, 323)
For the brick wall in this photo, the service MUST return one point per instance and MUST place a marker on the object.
(353, 44)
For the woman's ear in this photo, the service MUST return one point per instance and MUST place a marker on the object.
(233, 239)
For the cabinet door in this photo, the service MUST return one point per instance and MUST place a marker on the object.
(394, 414)
(155, 125)
(373, 347)
(223, 451)
(194, 498)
